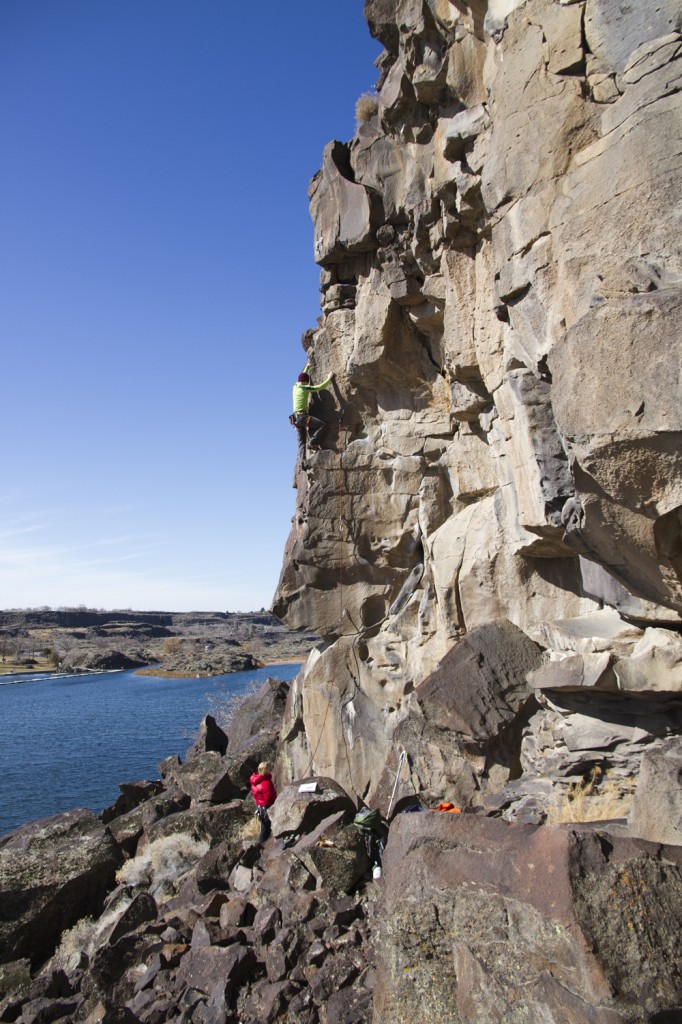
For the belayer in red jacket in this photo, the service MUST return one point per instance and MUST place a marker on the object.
(265, 794)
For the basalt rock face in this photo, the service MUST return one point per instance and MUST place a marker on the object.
(484, 921)
(501, 311)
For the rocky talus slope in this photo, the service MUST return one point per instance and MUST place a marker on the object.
(166, 908)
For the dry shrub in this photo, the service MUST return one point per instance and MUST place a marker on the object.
(163, 864)
(224, 707)
(77, 940)
(251, 828)
(595, 798)
(84, 937)
(366, 107)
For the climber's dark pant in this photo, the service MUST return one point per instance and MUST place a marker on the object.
(308, 426)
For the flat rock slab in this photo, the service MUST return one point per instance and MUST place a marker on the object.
(215, 971)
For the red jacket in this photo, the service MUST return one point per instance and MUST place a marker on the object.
(264, 793)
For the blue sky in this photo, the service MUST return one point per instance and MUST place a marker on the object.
(157, 272)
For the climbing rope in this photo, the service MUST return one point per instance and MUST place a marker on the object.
(341, 447)
(341, 494)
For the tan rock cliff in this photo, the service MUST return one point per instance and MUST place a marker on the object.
(501, 297)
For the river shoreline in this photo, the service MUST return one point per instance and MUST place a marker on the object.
(169, 645)
(151, 670)
(147, 670)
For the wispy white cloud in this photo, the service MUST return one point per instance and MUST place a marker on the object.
(120, 557)
(66, 575)
(19, 531)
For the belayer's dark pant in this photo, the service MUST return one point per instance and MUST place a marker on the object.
(265, 826)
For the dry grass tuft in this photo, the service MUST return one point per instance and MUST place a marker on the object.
(595, 798)
(85, 936)
(366, 107)
(251, 828)
(163, 864)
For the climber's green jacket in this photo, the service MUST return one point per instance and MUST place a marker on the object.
(302, 392)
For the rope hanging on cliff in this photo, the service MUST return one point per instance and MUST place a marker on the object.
(341, 447)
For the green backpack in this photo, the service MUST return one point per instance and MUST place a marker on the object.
(367, 820)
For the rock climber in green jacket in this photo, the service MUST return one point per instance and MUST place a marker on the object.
(305, 424)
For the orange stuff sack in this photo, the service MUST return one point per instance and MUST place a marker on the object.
(448, 807)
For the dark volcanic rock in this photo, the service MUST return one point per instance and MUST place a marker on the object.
(483, 920)
(297, 813)
(253, 733)
(214, 971)
(336, 854)
(480, 685)
(52, 873)
(132, 795)
(204, 822)
(259, 712)
(211, 738)
(204, 779)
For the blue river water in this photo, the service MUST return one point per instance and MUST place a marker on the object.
(67, 742)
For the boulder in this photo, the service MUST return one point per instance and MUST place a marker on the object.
(338, 972)
(268, 1000)
(283, 874)
(128, 829)
(253, 732)
(205, 822)
(575, 672)
(297, 813)
(44, 1010)
(52, 873)
(655, 666)
(480, 686)
(598, 631)
(215, 972)
(132, 795)
(205, 779)
(335, 853)
(214, 868)
(142, 909)
(15, 977)
(211, 738)
(266, 924)
(350, 1006)
(483, 920)
(166, 767)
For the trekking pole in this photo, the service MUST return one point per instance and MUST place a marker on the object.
(403, 757)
